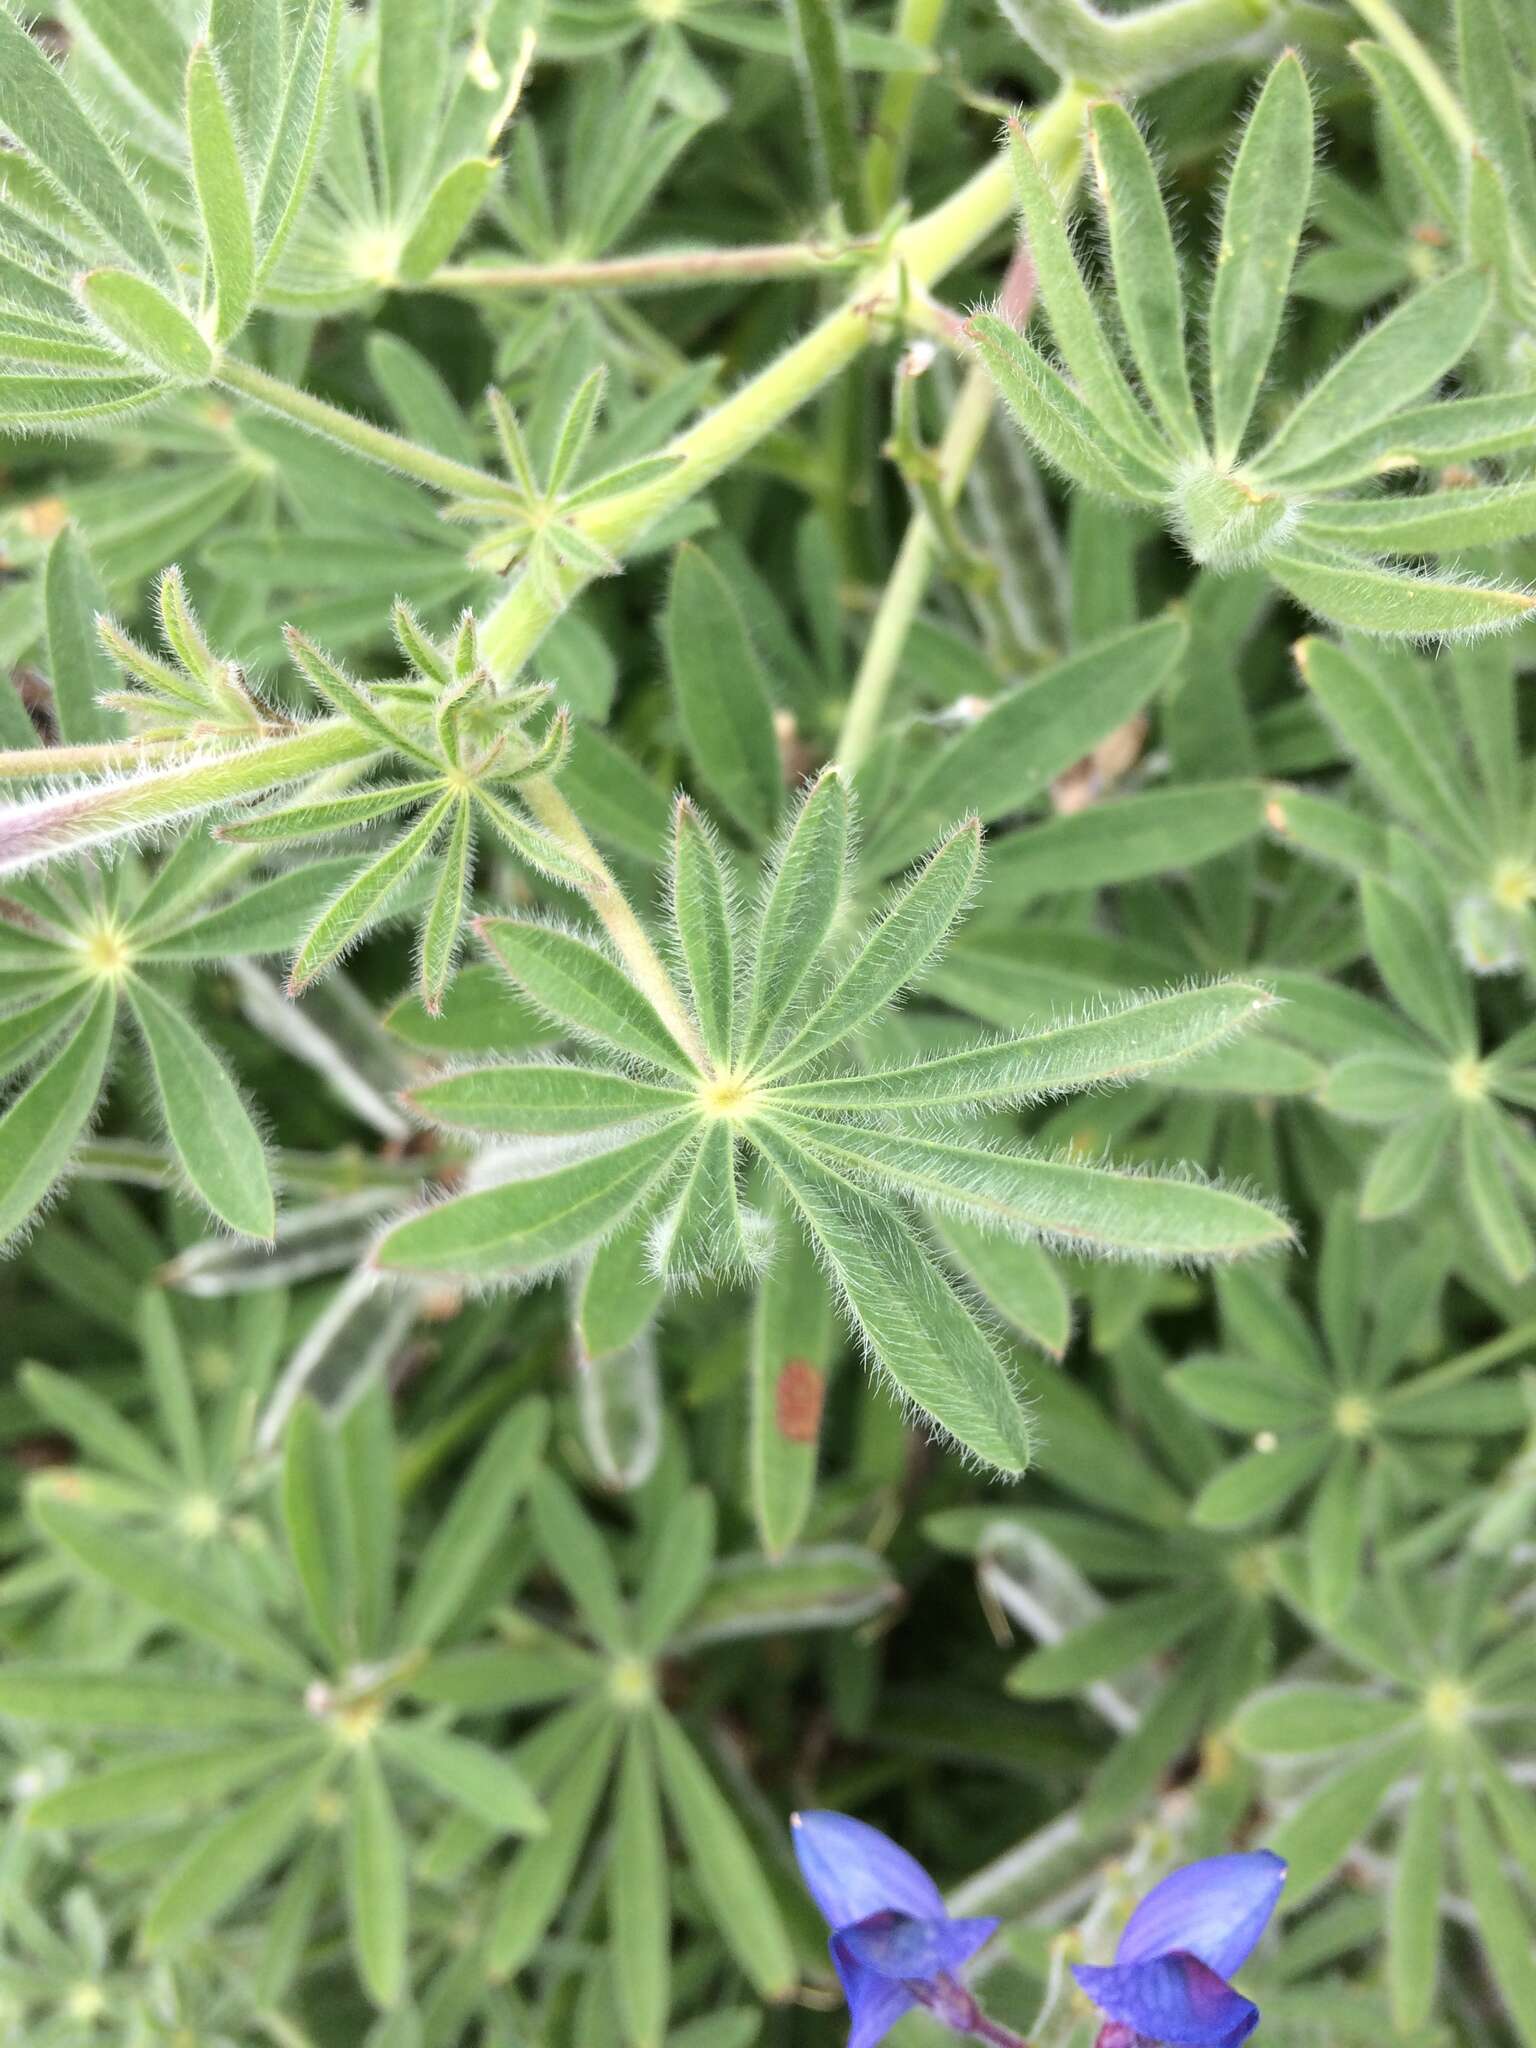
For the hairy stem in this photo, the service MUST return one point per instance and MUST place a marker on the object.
(103, 757)
(818, 35)
(613, 908)
(660, 269)
(101, 815)
(885, 156)
(378, 444)
(1116, 53)
(908, 582)
(921, 253)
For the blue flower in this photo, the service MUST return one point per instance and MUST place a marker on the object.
(893, 1945)
(1168, 1983)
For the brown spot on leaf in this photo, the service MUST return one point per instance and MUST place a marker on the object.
(797, 1399)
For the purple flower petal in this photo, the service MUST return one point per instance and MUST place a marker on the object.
(1215, 1910)
(895, 1945)
(852, 1870)
(875, 2003)
(1173, 1999)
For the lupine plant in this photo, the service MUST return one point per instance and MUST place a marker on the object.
(767, 914)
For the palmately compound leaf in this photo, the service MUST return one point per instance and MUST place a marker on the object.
(651, 1149)
(1352, 562)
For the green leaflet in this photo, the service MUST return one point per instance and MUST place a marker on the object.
(318, 1526)
(536, 1880)
(223, 202)
(40, 111)
(722, 696)
(1317, 1835)
(908, 935)
(208, 1122)
(297, 127)
(1079, 338)
(1437, 522)
(243, 34)
(1490, 83)
(413, 46)
(915, 1327)
(1354, 593)
(444, 927)
(704, 1231)
(1413, 1922)
(41, 1128)
(143, 1570)
(1376, 718)
(734, 1889)
(802, 898)
(1423, 980)
(1125, 838)
(1050, 414)
(150, 326)
(377, 1885)
(575, 1550)
(149, 1788)
(1298, 1720)
(475, 1520)
(81, 671)
(366, 897)
(1013, 751)
(1266, 207)
(640, 1894)
(1146, 267)
(703, 914)
(448, 210)
(537, 1101)
(94, 1425)
(1137, 1036)
(1395, 363)
(64, 1696)
(1260, 1484)
(1417, 124)
(678, 1569)
(579, 986)
(1019, 1281)
(795, 1343)
(469, 1775)
(1127, 1632)
(227, 1860)
(1101, 1210)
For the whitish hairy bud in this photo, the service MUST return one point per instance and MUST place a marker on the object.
(1225, 520)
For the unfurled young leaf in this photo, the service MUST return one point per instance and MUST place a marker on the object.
(223, 201)
(1231, 505)
(1266, 208)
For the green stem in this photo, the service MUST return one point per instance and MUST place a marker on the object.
(817, 29)
(659, 269)
(1383, 19)
(105, 757)
(618, 918)
(1468, 1364)
(922, 252)
(318, 1173)
(394, 451)
(908, 581)
(885, 158)
(109, 812)
(1118, 53)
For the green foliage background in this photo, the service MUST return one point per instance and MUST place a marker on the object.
(766, 934)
